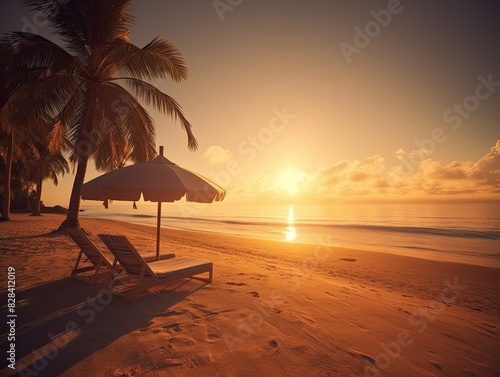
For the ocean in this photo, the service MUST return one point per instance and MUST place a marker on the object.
(468, 233)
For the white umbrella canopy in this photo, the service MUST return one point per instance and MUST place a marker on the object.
(158, 180)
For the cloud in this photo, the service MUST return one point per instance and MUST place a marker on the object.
(371, 179)
(400, 153)
(217, 155)
(487, 169)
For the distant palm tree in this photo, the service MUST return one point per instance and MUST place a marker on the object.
(84, 93)
(18, 185)
(43, 165)
(7, 151)
(13, 125)
(7, 137)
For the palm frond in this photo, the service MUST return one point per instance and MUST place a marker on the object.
(157, 60)
(56, 138)
(54, 164)
(112, 150)
(66, 17)
(67, 124)
(122, 111)
(109, 135)
(35, 51)
(108, 20)
(75, 119)
(163, 103)
(85, 24)
(44, 98)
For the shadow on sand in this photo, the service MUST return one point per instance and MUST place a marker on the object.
(63, 322)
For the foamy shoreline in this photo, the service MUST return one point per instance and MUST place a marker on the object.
(274, 308)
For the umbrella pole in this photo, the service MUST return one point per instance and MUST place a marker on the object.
(158, 225)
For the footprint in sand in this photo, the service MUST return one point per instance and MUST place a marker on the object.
(403, 310)
(181, 341)
(194, 360)
(237, 284)
(273, 343)
(213, 338)
(348, 259)
(436, 365)
(361, 355)
(173, 328)
(254, 294)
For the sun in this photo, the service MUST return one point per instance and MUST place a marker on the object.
(289, 180)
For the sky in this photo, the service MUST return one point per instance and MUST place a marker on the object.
(327, 101)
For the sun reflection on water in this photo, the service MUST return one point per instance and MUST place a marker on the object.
(290, 231)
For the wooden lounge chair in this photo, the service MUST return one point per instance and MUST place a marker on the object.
(143, 275)
(100, 264)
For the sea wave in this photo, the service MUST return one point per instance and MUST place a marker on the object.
(470, 231)
(450, 232)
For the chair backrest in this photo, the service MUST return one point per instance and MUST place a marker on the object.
(87, 246)
(126, 254)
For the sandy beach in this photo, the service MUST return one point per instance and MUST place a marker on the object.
(273, 309)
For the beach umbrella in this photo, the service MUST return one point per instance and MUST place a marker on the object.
(158, 180)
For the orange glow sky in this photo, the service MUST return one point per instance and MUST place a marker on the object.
(281, 113)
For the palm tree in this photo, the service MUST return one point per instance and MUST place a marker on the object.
(95, 85)
(7, 152)
(15, 122)
(7, 72)
(41, 166)
(18, 184)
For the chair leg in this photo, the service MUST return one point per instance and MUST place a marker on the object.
(75, 269)
(93, 278)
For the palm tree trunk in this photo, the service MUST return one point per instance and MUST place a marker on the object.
(36, 209)
(27, 196)
(72, 221)
(6, 179)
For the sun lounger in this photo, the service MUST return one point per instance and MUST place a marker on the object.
(100, 264)
(143, 275)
